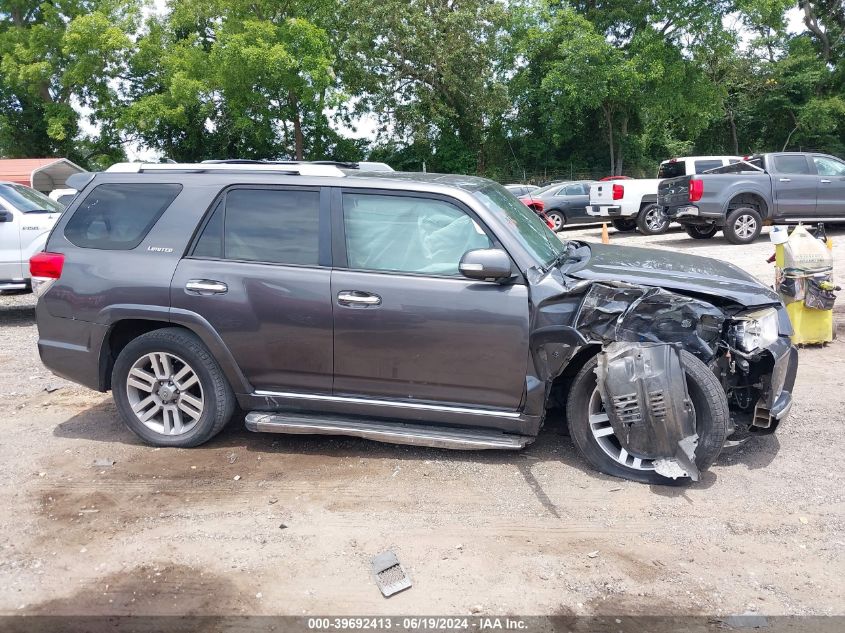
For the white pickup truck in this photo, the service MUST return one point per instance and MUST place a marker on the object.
(26, 217)
(632, 203)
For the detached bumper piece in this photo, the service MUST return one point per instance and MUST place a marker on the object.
(644, 389)
(775, 402)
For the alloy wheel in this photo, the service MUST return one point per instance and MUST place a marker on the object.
(165, 393)
(655, 219)
(745, 226)
(605, 436)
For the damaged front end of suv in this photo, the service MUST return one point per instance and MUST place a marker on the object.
(672, 374)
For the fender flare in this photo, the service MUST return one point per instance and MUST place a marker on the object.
(113, 315)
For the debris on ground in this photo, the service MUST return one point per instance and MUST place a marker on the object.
(389, 574)
(102, 462)
(593, 554)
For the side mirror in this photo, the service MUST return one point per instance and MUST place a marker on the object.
(6, 216)
(486, 264)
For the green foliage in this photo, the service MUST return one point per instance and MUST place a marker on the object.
(55, 60)
(509, 89)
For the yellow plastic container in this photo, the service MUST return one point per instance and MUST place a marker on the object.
(811, 326)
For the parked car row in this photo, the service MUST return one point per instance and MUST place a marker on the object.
(704, 194)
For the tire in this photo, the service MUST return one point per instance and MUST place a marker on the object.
(652, 221)
(160, 358)
(701, 231)
(712, 416)
(557, 218)
(625, 225)
(743, 225)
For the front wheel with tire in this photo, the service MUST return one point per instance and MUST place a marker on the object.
(652, 220)
(593, 435)
(701, 231)
(557, 219)
(625, 225)
(743, 225)
(169, 389)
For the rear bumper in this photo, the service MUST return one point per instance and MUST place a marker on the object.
(71, 348)
(610, 211)
(694, 214)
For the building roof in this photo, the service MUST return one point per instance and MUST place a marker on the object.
(43, 174)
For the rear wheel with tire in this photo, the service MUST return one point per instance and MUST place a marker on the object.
(557, 219)
(625, 225)
(743, 225)
(701, 231)
(652, 220)
(169, 389)
(593, 435)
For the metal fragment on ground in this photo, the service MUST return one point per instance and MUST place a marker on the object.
(389, 574)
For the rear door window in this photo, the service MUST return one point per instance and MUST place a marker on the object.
(118, 216)
(787, 164)
(274, 226)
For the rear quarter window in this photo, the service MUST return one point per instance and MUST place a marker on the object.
(118, 216)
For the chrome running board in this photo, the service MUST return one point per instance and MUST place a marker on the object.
(467, 439)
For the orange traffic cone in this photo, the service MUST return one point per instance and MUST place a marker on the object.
(605, 238)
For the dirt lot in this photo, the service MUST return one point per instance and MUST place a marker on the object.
(265, 524)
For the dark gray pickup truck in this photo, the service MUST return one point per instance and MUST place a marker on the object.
(767, 188)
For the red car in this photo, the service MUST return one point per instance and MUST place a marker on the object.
(537, 205)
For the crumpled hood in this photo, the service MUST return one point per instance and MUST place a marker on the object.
(673, 271)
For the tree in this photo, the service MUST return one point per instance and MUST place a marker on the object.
(432, 71)
(56, 60)
(235, 79)
(642, 86)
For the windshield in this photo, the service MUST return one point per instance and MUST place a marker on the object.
(28, 200)
(535, 236)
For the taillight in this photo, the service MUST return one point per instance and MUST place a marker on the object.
(696, 190)
(45, 269)
(618, 192)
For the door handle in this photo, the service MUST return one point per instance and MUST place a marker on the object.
(206, 287)
(824, 180)
(785, 179)
(357, 298)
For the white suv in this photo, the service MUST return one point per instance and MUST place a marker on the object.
(26, 217)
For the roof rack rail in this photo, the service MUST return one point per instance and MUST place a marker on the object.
(342, 164)
(290, 168)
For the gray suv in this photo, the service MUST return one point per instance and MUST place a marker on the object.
(419, 309)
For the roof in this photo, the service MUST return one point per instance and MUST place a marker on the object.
(43, 174)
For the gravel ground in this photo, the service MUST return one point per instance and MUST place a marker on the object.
(265, 524)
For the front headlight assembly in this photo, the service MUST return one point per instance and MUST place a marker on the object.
(751, 331)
